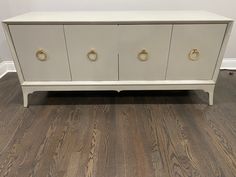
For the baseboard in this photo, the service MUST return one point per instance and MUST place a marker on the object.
(8, 66)
(5, 67)
(229, 64)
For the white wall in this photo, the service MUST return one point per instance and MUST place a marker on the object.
(13, 7)
(8, 9)
(4, 53)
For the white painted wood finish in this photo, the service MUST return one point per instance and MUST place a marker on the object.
(117, 37)
(222, 51)
(13, 52)
(155, 39)
(207, 39)
(28, 39)
(81, 39)
(121, 17)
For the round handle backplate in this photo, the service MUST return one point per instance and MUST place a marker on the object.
(143, 55)
(41, 55)
(92, 55)
(194, 55)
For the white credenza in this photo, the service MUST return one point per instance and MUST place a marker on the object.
(125, 50)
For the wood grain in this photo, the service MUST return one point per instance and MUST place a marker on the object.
(126, 134)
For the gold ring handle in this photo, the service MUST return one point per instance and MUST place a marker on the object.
(194, 55)
(41, 55)
(143, 55)
(92, 55)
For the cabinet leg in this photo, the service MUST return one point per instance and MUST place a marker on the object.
(211, 97)
(210, 91)
(26, 93)
(26, 99)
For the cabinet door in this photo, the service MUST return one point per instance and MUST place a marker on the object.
(194, 51)
(143, 51)
(41, 52)
(93, 52)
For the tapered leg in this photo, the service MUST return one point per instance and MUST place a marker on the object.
(211, 97)
(210, 90)
(26, 93)
(26, 99)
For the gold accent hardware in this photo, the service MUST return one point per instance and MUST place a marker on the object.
(92, 55)
(143, 55)
(41, 55)
(194, 55)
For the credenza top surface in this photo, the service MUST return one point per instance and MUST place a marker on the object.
(117, 17)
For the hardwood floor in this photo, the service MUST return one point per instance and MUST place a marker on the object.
(127, 134)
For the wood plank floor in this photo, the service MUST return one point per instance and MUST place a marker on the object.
(109, 134)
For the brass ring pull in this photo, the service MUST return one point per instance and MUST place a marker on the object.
(92, 55)
(41, 55)
(194, 55)
(143, 55)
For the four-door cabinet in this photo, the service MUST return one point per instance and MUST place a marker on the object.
(118, 50)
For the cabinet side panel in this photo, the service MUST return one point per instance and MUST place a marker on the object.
(13, 52)
(222, 51)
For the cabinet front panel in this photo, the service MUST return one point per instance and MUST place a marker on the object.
(194, 51)
(41, 52)
(143, 51)
(92, 52)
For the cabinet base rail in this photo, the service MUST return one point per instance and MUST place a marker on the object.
(30, 89)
